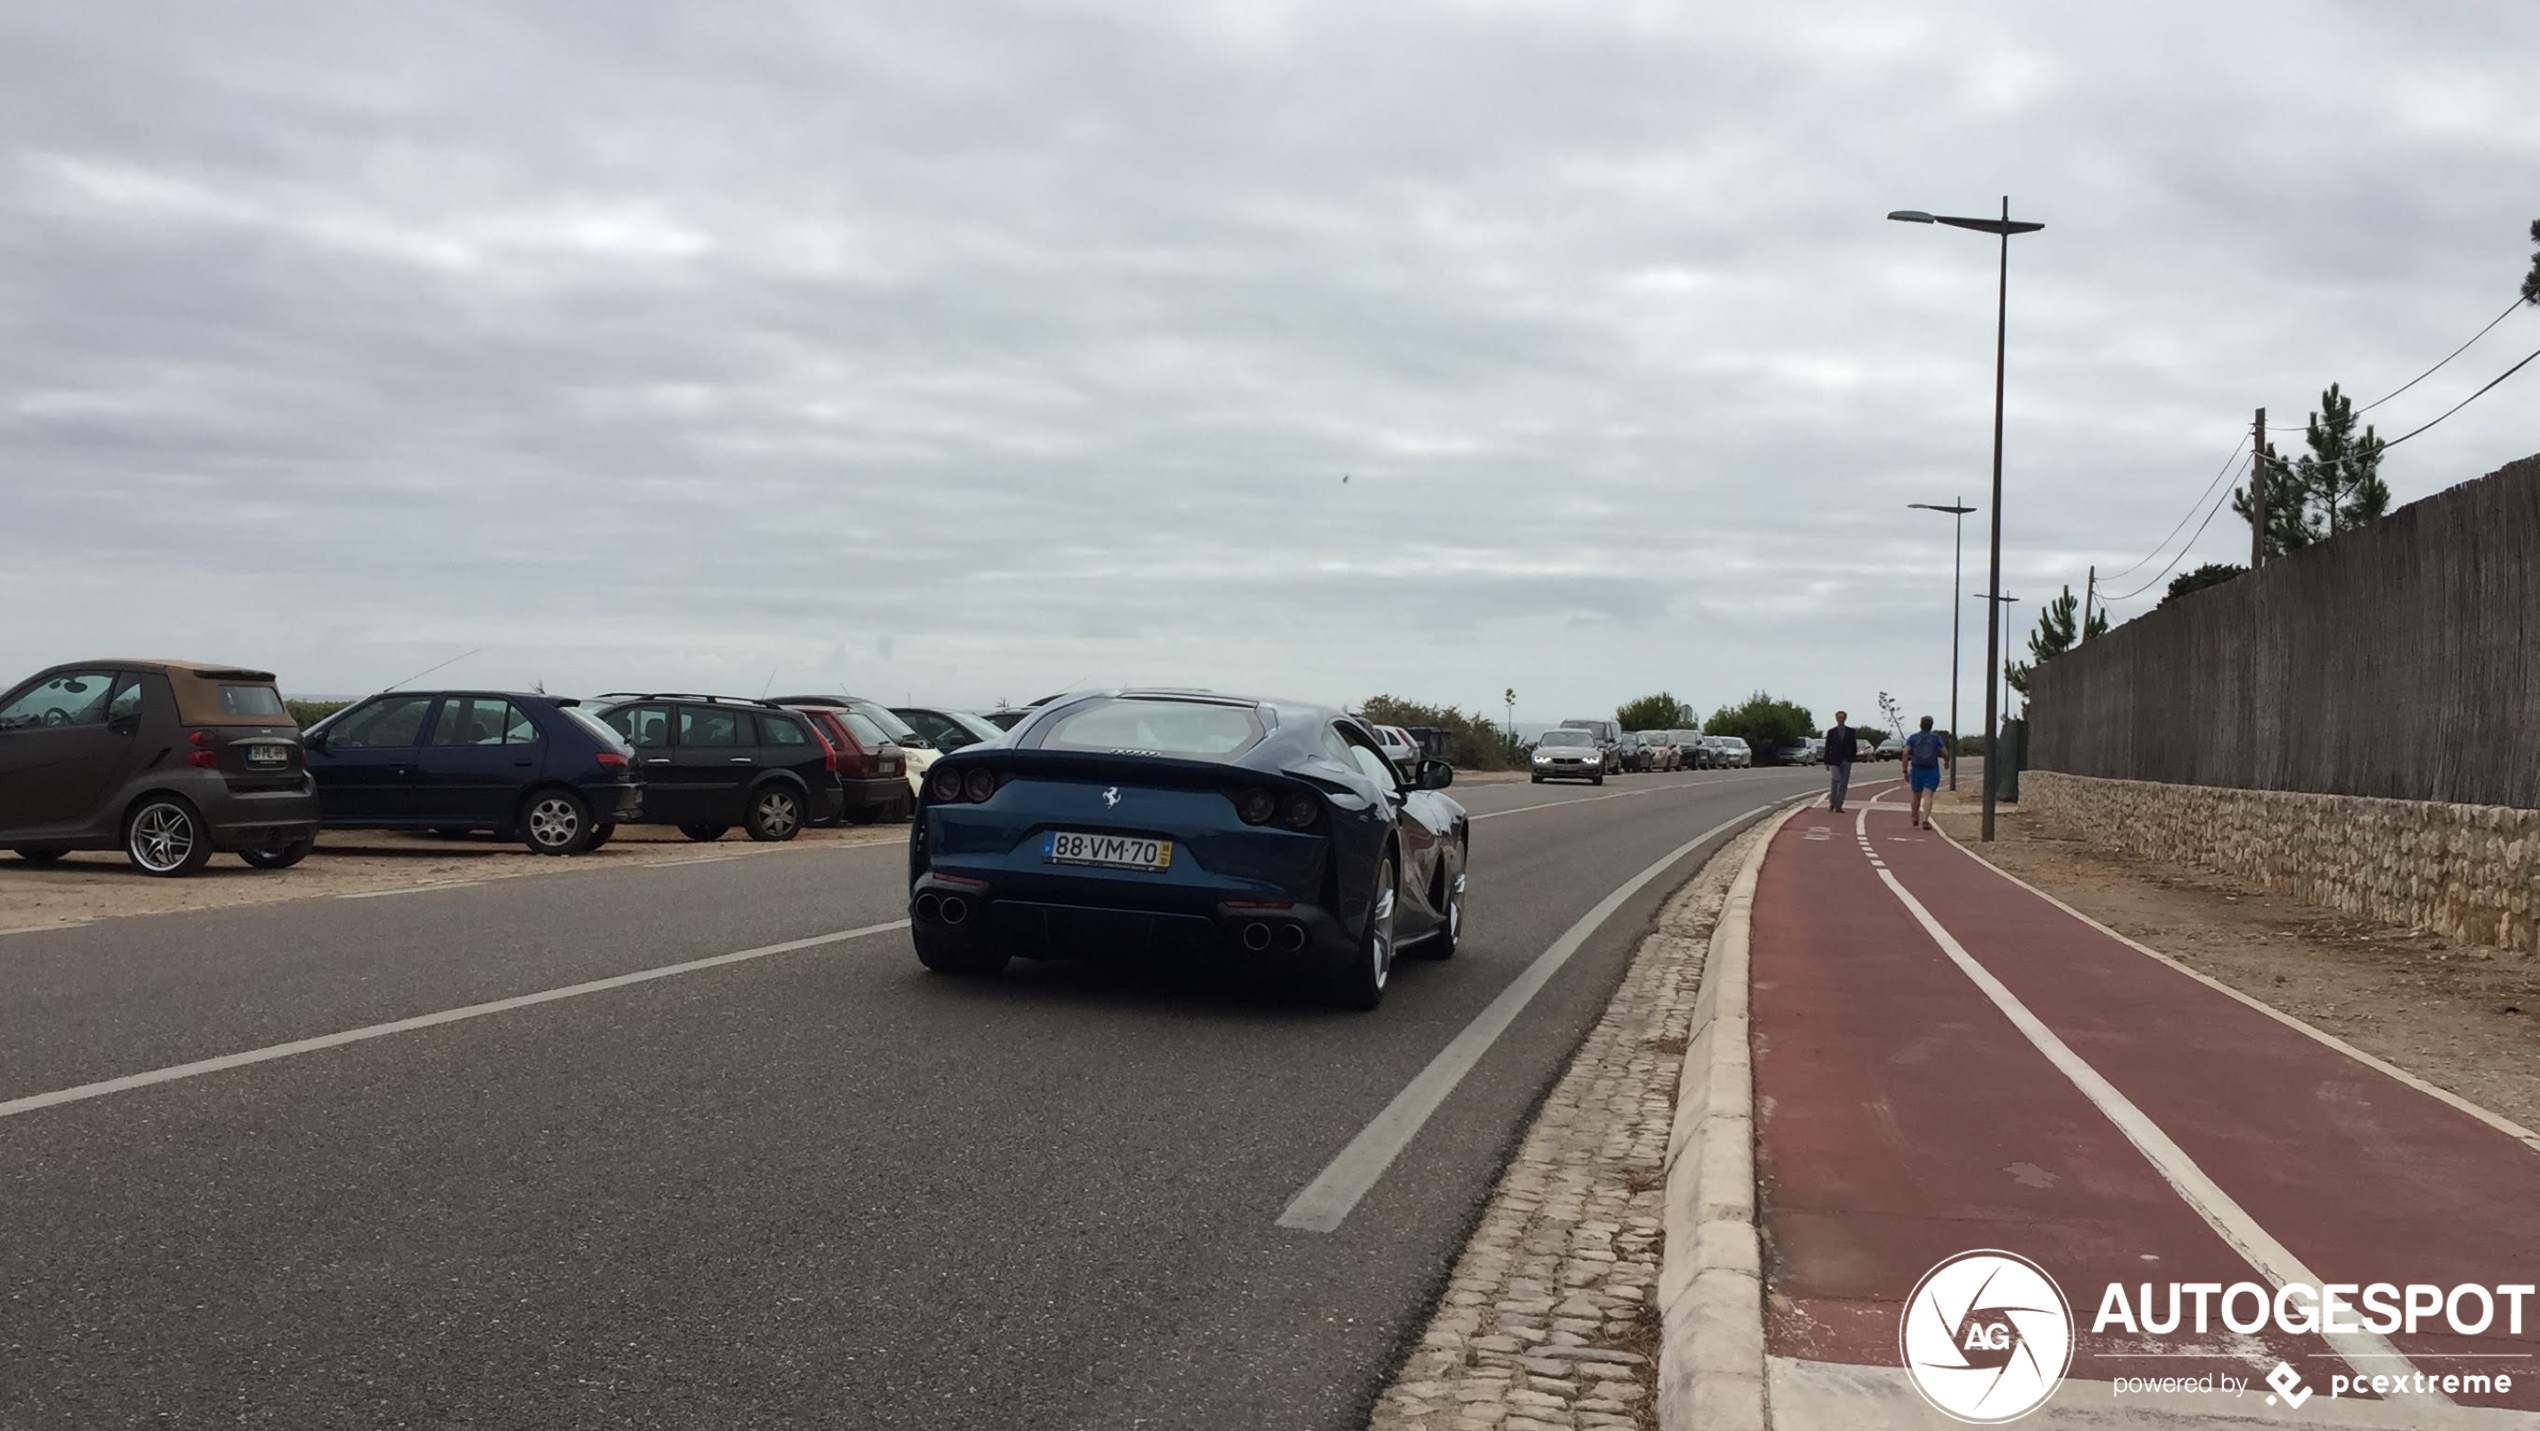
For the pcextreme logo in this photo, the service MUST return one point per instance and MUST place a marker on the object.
(1987, 1337)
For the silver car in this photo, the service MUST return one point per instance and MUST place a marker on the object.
(1567, 754)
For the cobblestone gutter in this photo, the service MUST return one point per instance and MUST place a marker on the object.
(1550, 1318)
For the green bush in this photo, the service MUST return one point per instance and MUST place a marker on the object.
(1659, 712)
(1473, 742)
(1764, 722)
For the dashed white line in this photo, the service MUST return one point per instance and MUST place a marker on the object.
(1325, 1203)
(42, 928)
(269, 1053)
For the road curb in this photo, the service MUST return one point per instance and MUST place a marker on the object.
(1710, 1281)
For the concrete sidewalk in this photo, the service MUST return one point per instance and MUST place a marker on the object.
(1947, 1061)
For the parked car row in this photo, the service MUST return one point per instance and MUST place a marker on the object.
(173, 761)
(1592, 750)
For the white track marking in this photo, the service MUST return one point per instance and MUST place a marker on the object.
(1326, 1202)
(227, 1061)
(2500, 1123)
(2226, 1217)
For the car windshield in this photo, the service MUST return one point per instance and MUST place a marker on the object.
(1204, 730)
(1566, 737)
(973, 724)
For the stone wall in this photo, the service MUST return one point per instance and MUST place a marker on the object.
(2467, 872)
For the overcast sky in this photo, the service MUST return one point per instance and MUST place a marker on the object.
(972, 350)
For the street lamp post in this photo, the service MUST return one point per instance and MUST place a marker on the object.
(2004, 227)
(1957, 555)
(2001, 614)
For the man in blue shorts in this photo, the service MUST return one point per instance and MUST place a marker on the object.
(1924, 753)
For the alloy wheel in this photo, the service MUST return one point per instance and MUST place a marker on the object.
(554, 822)
(163, 837)
(778, 814)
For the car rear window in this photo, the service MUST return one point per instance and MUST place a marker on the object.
(240, 700)
(609, 739)
(782, 730)
(883, 716)
(1198, 730)
(865, 732)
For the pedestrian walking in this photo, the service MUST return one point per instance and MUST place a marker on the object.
(1925, 751)
(1842, 748)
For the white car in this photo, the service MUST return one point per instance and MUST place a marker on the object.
(1731, 751)
(1401, 749)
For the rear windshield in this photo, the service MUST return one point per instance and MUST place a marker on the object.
(1199, 730)
(599, 729)
(866, 733)
(883, 716)
(250, 700)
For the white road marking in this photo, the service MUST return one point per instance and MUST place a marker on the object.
(2226, 1217)
(40, 928)
(691, 860)
(1326, 1202)
(411, 889)
(1593, 799)
(2497, 1121)
(227, 1061)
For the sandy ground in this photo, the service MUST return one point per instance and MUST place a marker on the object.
(93, 886)
(2462, 1017)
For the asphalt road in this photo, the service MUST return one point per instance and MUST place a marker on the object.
(812, 1186)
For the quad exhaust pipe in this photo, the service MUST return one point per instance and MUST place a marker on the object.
(955, 909)
(1259, 935)
(928, 908)
(946, 908)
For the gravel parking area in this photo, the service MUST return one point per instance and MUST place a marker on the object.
(103, 884)
(2460, 1016)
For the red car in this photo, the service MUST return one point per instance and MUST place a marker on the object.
(871, 767)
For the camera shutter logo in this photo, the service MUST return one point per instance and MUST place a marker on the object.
(1987, 1337)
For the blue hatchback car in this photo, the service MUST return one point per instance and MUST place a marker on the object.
(537, 767)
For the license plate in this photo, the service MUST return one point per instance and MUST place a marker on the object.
(268, 755)
(1117, 852)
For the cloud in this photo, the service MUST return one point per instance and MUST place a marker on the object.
(967, 352)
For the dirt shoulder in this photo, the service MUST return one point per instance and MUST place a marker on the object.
(101, 885)
(2463, 1017)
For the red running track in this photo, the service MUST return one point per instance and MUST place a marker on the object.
(1903, 1117)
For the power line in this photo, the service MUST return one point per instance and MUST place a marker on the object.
(2182, 551)
(2430, 372)
(2473, 397)
(2456, 352)
(2191, 508)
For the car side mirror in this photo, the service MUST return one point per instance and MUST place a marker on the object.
(1436, 774)
(314, 740)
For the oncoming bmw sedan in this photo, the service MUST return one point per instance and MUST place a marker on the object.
(1132, 821)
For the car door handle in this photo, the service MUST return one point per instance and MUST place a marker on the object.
(523, 764)
(743, 760)
(657, 760)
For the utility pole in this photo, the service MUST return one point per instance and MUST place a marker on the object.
(2258, 492)
(2089, 588)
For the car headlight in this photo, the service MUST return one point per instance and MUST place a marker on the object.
(1543, 757)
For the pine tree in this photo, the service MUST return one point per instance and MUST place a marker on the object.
(2335, 487)
(2531, 285)
(2057, 631)
(2341, 474)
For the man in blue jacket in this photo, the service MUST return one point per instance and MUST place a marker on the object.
(1842, 748)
